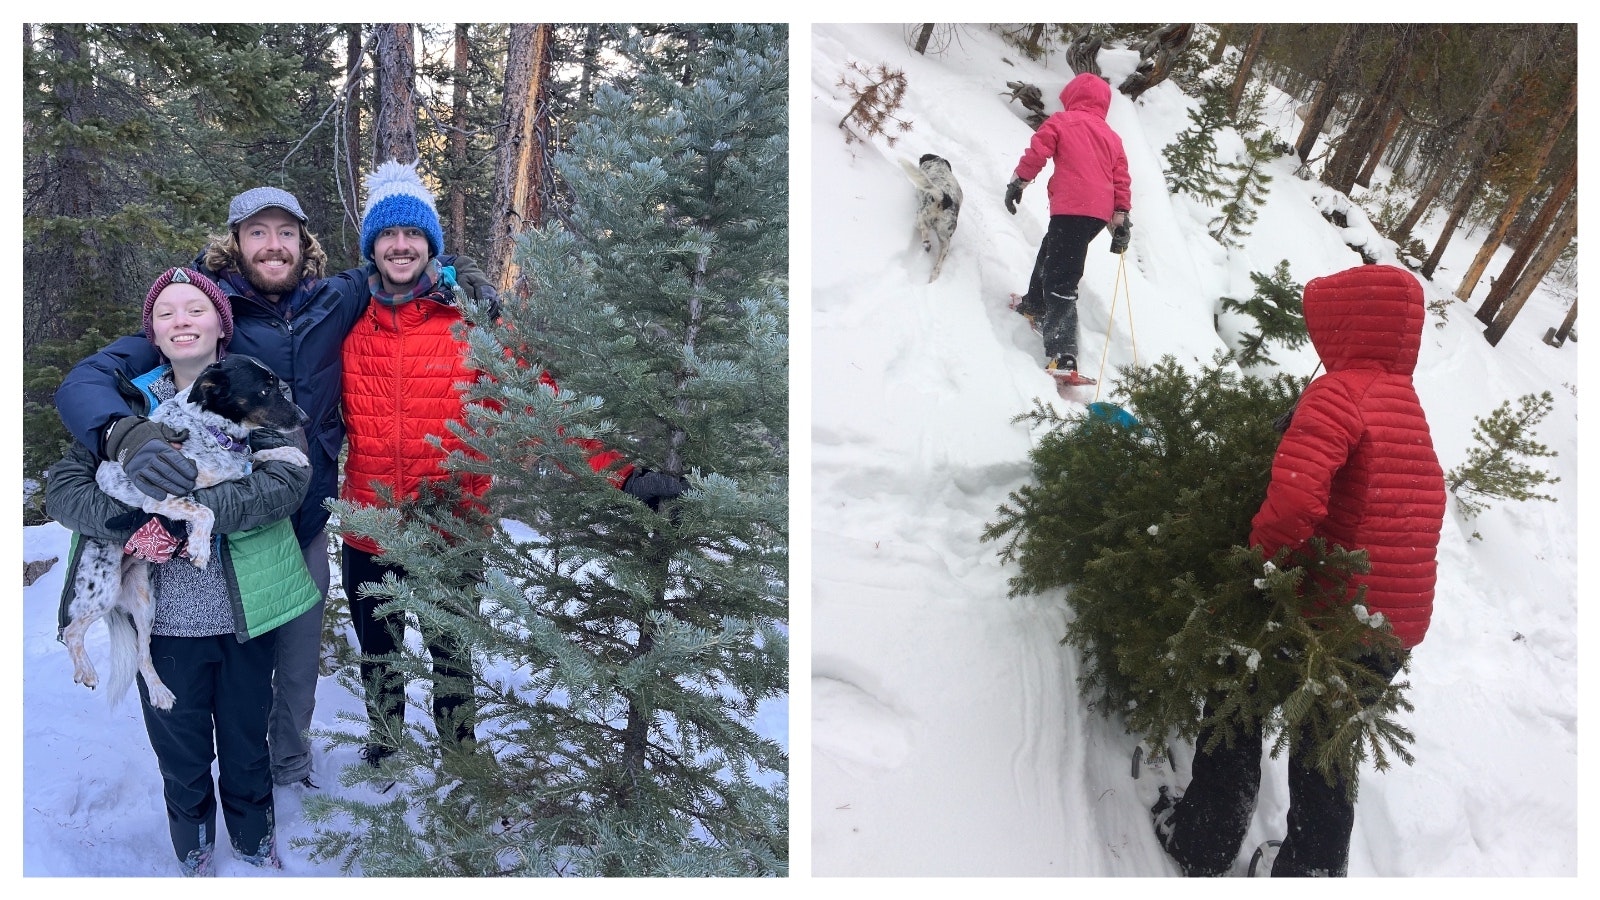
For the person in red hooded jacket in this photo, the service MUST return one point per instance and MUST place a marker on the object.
(402, 363)
(1356, 467)
(1089, 188)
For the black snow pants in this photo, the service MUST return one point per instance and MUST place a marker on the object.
(1210, 821)
(1053, 287)
(453, 707)
(224, 691)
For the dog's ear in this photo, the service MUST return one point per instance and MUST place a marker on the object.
(212, 384)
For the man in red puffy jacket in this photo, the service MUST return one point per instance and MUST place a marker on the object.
(402, 362)
(1356, 467)
(1088, 189)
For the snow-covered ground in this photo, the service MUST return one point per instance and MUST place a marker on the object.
(948, 737)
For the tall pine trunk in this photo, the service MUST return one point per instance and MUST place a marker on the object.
(458, 141)
(395, 126)
(1469, 133)
(1519, 258)
(1550, 250)
(1333, 77)
(521, 163)
(1519, 194)
(1241, 78)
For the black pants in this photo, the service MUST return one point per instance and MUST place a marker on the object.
(224, 691)
(1210, 821)
(1053, 286)
(453, 706)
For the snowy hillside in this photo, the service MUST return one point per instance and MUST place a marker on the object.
(948, 735)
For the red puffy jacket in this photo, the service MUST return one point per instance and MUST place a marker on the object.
(401, 368)
(1091, 169)
(1356, 466)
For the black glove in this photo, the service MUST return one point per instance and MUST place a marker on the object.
(1014, 194)
(1120, 235)
(271, 439)
(653, 487)
(148, 458)
(473, 279)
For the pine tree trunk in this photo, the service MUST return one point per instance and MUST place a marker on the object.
(1469, 133)
(1465, 194)
(1328, 93)
(1242, 76)
(458, 143)
(1224, 33)
(1560, 337)
(395, 128)
(1363, 137)
(521, 165)
(925, 32)
(352, 135)
(1395, 118)
(1519, 194)
(1554, 245)
(1519, 258)
(591, 60)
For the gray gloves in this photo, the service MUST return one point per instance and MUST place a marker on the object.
(473, 279)
(1014, 194)
(151, 462)
(1121, 234)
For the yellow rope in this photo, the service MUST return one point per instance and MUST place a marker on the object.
(1119, 284)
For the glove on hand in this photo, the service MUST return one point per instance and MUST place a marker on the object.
(271, 439)
(1014, 194)
(653, 487)
(153, 465)
(157, 540)
(473, 279)
(1120, 235)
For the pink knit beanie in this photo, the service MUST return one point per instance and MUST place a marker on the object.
(181, 275)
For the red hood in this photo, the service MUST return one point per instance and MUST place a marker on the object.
(1368, 317)
(1087, 93)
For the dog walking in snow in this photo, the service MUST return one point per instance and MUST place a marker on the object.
(938, 205)
(225, 403)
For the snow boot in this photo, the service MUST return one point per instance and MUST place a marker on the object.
(1064, 370)
(1020, 305)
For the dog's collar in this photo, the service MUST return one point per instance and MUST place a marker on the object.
(228, 441)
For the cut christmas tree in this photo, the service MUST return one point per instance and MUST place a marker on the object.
(1140, 511)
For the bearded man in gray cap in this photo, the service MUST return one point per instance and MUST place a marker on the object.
(294, 318)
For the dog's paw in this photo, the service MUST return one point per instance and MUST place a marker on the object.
(160, 696)
(291, 455)
(86, 676)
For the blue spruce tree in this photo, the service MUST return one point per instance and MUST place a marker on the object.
(625, 652)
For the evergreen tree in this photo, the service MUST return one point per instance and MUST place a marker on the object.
(1276, 308)
(1245, 192)
(1494, 468)
(1143, 524)
(623, 652)
(133, 135)
(1191, 159)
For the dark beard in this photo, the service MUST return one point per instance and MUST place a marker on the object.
(267, 287)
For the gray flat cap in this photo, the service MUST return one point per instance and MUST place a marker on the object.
(256, 199)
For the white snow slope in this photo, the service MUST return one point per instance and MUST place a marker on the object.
(948, 734)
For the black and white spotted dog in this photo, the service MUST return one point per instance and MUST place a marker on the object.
(225, 403)
(938, 205)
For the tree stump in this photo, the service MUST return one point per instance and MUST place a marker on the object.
(1031, 99)
(1083, 54)
(1157, 52)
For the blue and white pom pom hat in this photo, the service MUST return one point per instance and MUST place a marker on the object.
(397, 197)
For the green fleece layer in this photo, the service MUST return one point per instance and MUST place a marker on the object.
(270, 584)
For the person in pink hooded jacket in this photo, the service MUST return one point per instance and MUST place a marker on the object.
(1356, 467)
(1088, 189)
